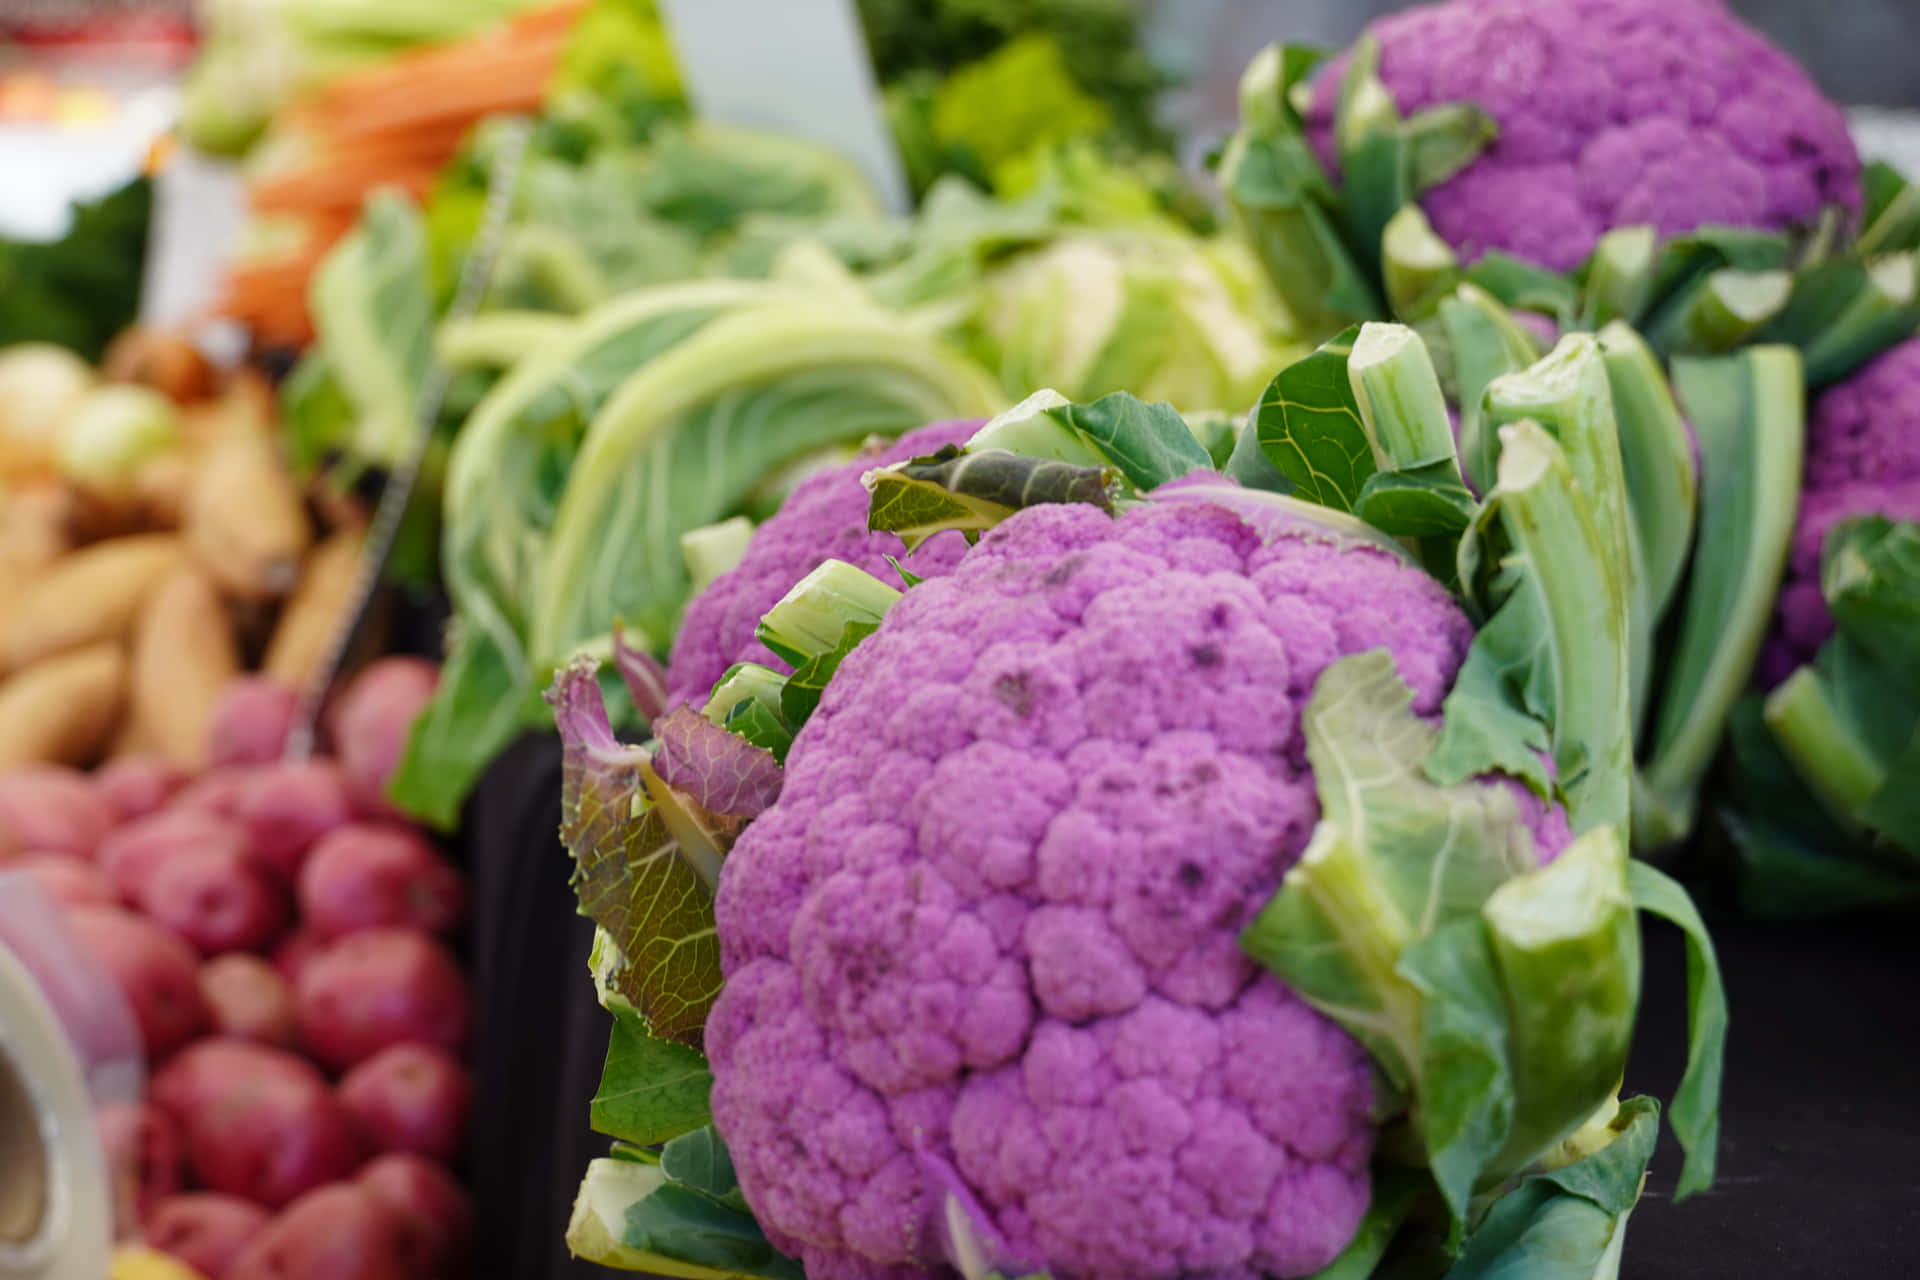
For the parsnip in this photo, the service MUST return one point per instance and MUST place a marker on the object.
(63, 709)
(184, 656)
(90, 595)
(244, 518)
(307, 623)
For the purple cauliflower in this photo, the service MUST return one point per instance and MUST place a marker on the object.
(824, 518)
(988, 933)
(1863, 458)
(1611, 113)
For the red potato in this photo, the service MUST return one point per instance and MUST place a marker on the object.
(377, 988)
(370, 724)
(270, 1135)
(199, 1072)
(428, 1194)
(293, 955)
(409, 1097)
(342, 1232)
(131, 855)
(247, 999)
(157, 972)
(144, 1151)
(252, 722)
(216, 899)
(52, 809)
(369, 877)
(140, 785)
(289, 806)
(217, 791)
(67, 879)
(204, 1229)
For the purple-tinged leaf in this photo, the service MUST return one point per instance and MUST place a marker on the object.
(646, 679)
(718, 769)
(631, 875)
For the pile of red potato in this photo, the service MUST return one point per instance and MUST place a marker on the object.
(280, 935)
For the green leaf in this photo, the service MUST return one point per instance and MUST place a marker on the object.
(372, 304)
(1657, 458)
(1394, 859)
(1870, 575)
(1844, 311)
(1487, 343)
(634, 1216)
(1430, 502)
(652, 1090)
(1546, 565)
(1524, 286)
(1467, 1091)
(1149, 443)
(1748, 413)
(631, 874)
(691, 434)
(481, 702)
(974, 491)
(1569, 1224)
(1890, 220)
(1308, 424)
(809, 681)
(700, 1160)
(1695, 1110)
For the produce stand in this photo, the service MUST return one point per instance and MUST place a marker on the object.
(1572, 562)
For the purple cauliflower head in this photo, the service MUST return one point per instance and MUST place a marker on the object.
(1863, 459)
(1612, 113)
(990, 927)
(824, 518)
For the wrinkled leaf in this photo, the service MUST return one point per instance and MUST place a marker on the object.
(973, 491)
(718, 769)
(1308, 424)
(643, 674)
(629, 872)
(633, 1215)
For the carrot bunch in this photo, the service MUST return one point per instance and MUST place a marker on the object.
(395, 124)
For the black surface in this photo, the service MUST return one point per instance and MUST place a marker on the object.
(540, 1037)
(1820, 1154)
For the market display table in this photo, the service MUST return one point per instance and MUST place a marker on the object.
(1820, 1155)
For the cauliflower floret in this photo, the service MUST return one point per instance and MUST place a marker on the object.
(1612, 113)
(992, 920)
(1863, 459)
(824, 518)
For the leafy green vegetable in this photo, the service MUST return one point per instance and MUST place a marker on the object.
(373, 310)
(701, 422)
(81, 290)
